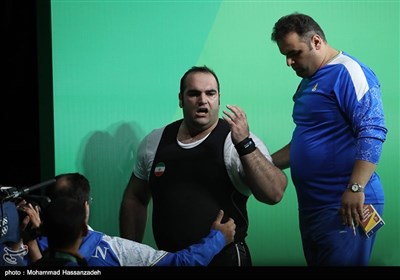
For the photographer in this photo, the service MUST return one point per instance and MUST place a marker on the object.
(18, 225)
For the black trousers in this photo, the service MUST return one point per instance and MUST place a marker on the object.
(234, 254)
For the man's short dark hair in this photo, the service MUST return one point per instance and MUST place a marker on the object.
(195, 69)
(304, 25)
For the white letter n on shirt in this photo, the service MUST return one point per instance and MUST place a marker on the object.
(101, 252)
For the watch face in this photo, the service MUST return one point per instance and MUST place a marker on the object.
(354, 188)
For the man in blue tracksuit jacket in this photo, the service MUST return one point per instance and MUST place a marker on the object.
(100, 249)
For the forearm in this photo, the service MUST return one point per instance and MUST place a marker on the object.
(266, 181)
(362, 172)
(133, 217)
(281, 158)
(353, 202)
(199, 254)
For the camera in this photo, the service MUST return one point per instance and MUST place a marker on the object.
(11, 216)
(34, 200)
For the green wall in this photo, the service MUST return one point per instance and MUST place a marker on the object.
(116, 71)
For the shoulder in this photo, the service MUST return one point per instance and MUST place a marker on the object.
(360, 76)
(154, 134)
(354, 67)
(150, 142)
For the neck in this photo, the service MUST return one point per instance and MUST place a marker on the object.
(332, 54)
(188, 134)
(70, 251)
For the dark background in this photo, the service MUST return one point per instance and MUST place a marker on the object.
(27, 146)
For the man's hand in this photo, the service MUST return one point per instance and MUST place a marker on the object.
(30, 224)
(352, 208)
(227, 229)
(238, 122)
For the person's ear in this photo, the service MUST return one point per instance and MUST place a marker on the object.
(180, 97)
(316, 41)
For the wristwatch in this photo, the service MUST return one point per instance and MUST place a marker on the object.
(355, 187)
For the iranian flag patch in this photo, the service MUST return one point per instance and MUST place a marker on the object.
(159, 170)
